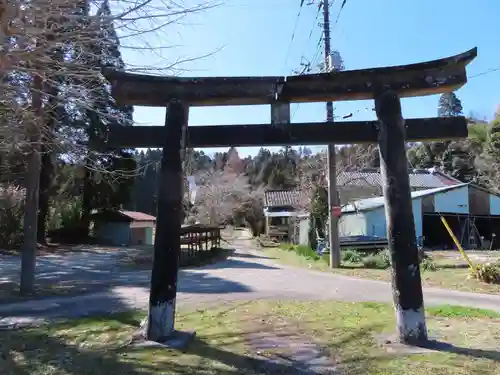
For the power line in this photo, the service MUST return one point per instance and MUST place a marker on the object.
(314, 23)
(294, 30)
(340, 11)
(310, 64)
(307, 68)
(491, 70)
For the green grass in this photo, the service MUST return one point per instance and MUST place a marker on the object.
(348, 333)
(449, 311)
(446, 273)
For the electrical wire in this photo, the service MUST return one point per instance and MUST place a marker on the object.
(314, 23)
(311, 63)
(491, 70)
(340, 11)
(294, 31)
(308, 67)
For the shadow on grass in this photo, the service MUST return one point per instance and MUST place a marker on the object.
(244, 363)
(440, 346)
(35, 352)
(52, 350)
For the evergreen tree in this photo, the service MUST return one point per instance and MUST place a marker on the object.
(458, 161)
(453, 158)
(449, 105)
(493, 154)
(494, 145)
(109, 178)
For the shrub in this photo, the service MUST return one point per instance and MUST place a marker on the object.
(313, 241)
(379, 261)
(65, 225)
(287, 247)
(307, 252)
(351, 256)
(70, 214)
(386, 255)
(488, 272)
(427, 264)
(11, 217)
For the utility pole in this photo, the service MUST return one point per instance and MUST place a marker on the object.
(333, 197)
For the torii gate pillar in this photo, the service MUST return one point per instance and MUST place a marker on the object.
(405, 270)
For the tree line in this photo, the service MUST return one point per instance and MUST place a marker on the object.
(127, 179)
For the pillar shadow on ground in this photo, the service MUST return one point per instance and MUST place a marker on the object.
(440, 346)
(41, 351)
(253, 256)
(240, 263)
(70, 276)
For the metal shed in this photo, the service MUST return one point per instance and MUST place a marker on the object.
(124, 228)
(472, 212)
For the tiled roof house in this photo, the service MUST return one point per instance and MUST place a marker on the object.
(363, 183)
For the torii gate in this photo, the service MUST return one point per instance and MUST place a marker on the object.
(384, 85)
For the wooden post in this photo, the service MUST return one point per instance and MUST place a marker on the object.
(406, 282)
(333, 201)
(167, 244)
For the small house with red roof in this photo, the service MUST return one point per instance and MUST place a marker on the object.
(123, 228)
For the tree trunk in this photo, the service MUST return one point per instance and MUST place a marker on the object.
(46, 176)
(47, 164)
(86, 200)
(28, 257)
(160, 324)
(406, 282)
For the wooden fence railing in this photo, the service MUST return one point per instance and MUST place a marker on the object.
(195, 238)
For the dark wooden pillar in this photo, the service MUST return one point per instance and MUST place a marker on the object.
(406, 282)
(167, 244)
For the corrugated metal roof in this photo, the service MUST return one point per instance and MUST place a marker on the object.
(376, 202)
(276, 198)
(418, 178)
(137, 216)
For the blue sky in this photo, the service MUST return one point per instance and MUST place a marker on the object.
(254, 37)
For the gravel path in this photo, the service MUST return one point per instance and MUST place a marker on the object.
(247, 275)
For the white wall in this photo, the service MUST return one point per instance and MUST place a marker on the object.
(352, 224)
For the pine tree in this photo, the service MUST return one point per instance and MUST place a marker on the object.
(458, 161)
(449, 105)
(453, 158)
